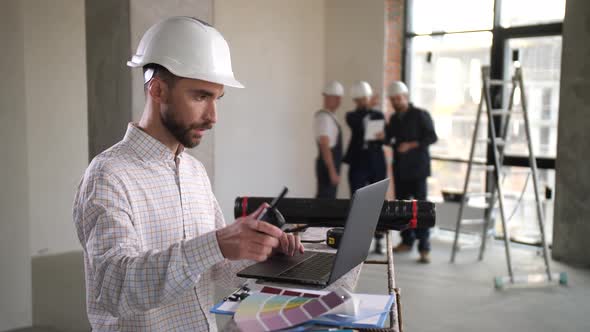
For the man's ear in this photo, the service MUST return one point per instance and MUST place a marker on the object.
(158, 90)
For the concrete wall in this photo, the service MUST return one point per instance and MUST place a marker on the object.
(355, 50)
(263, 139)
(572, 179)
(109, 80)
(15, 266)
(144, 13)
(57, 130)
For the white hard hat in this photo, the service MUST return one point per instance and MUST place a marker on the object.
(361, 89)
(397, 88)
(333, 88)
(189, 48)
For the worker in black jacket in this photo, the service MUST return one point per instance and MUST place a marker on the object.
(365, 155)
(410, 132)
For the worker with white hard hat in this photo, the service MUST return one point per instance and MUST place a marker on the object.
(328, 136)
(365, 152)
(410, 132)
(153, 234)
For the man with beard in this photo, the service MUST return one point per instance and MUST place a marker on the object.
(410, 131)
(153, 234)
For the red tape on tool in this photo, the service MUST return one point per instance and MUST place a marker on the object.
(414, 220)
(244, 206)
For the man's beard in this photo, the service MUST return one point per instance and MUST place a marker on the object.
(182, 133)
(400, 107)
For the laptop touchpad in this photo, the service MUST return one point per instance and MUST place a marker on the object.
(276, 265)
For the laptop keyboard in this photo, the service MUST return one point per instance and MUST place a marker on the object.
(316, 267)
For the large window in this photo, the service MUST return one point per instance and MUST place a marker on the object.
(531, 12)
(540, 59)
(429, 16)
(445, 79)
(447, 42)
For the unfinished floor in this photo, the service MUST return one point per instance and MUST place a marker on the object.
(461, 297)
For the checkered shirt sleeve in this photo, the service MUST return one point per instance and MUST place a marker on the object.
(127, 280)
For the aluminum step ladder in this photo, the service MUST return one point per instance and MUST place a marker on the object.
(498, 142)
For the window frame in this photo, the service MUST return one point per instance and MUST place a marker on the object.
(500, 36)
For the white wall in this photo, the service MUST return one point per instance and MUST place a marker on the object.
(56, 115)
(43, 140)
(264, 134)
(355, 50)
(15, 263)
(143, 14)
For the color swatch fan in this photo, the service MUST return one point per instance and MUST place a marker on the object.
(269, 312)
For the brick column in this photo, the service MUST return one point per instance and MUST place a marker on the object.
(394, 35)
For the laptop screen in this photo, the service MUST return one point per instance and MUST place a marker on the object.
(360, 226)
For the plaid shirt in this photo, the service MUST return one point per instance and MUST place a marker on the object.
(146, 220)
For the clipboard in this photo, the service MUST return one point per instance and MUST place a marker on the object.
(372, 128)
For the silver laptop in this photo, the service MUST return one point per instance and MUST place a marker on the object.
(318, 268)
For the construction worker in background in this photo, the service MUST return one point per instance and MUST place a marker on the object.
(154, 238)
(375, 102)
(365, 155)
(328, 136)
(410, 132)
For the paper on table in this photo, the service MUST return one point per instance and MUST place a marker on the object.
(373, 128)
(228, 307)
(373, 308)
